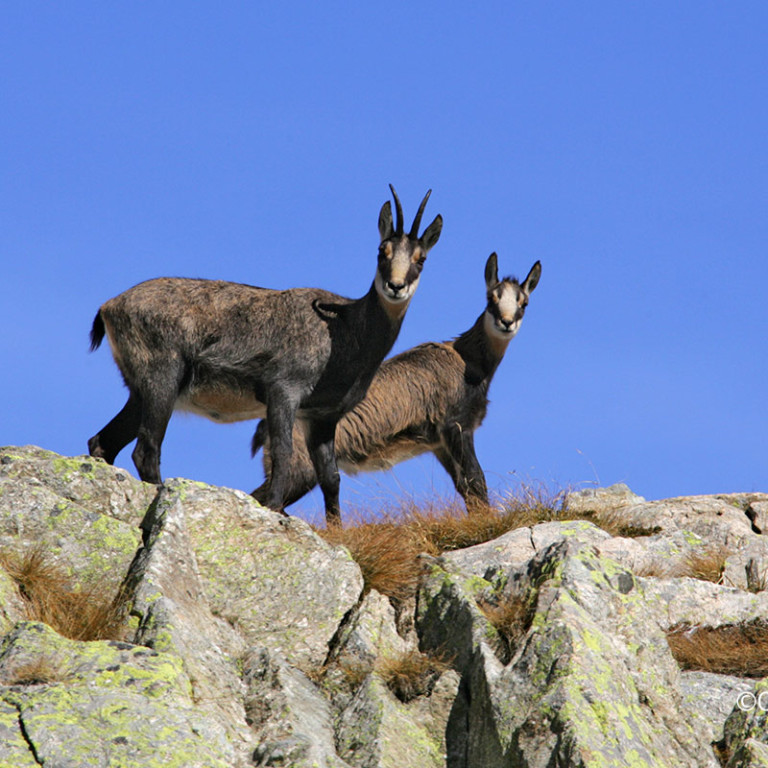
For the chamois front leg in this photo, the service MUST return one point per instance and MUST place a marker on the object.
(322, 451)
(460, 461)
(301, 478)
(281, 414)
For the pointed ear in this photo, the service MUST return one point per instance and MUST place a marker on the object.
(533, 278)
(491, 271)
(386, 228)
(432, 233)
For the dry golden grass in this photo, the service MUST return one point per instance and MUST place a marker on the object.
(386, 547)
(412, 673)
(661, 568)
(739, 649)
(50, 596)
(444, 530)
(386, 553)
(511, 616)
(355, 671)
(40, 671)
(707, 564)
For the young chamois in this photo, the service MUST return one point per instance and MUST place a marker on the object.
(430, 398)
(233, 352)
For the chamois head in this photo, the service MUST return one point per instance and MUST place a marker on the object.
(402, 255)
(507, 300)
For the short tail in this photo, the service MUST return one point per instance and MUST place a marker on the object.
(259, 437)
(97, 331)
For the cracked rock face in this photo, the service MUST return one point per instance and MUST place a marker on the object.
(249, 641)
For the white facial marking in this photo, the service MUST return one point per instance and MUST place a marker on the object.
(509, 320)
(493, 329)
(398, 265)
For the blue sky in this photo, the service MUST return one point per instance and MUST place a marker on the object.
(623, 144)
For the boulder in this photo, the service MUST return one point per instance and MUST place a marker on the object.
(593, 682)
(292, 720)
(82, 512)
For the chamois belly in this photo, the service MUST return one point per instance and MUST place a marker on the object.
(385, 456)
(222, 406)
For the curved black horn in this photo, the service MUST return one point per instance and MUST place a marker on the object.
(417, 221)
(399, 211)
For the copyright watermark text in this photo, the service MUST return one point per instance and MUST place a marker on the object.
(748, 701)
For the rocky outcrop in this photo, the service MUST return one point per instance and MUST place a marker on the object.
(250, 641)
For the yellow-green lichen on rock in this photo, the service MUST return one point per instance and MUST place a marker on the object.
(80, 513)
(377, 729)
(745, 740)
(103, 703)
(577, 674)
(592, 626)
(272, 577)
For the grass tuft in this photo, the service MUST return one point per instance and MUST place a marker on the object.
(50, 596)
(707, 564)
(736, 649)
(387, 546)
(386, 553)
(412, 673)
(512, 616)
(40, 671)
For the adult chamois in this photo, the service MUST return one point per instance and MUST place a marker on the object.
(233, 352)
(430, 398)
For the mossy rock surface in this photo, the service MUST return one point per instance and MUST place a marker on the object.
(82, 513)
(101, 704)
(271, 577)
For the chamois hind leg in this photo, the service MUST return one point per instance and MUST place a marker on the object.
(157, 404)
(457, 455)
(112, 438)
(322, 451)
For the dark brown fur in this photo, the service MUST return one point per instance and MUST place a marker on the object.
(232, 352)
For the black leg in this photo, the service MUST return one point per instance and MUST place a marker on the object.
(107, 443)
(281, 414)
(460, 461)
(154, 422)
(301, 474)
(158, 393)
(322, 451)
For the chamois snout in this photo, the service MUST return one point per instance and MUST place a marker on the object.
(399, 271)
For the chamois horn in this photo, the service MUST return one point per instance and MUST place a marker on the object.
(417, 221)
(399, 211)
